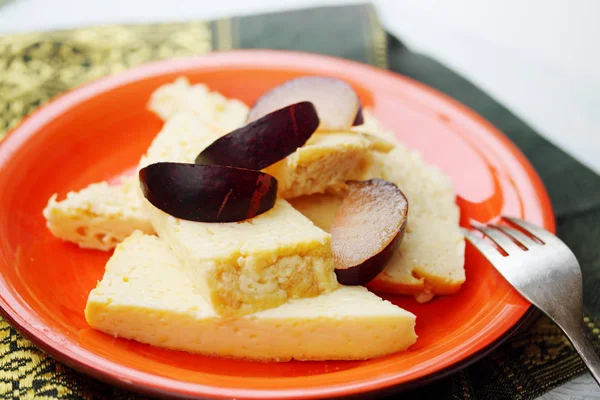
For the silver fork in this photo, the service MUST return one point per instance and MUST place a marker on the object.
(544, 271)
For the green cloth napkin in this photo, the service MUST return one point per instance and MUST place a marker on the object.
(37, 66)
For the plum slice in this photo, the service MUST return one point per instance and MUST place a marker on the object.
(264, 141)
(359, 119)
(336, 102)
(208, 193)
(366, 230)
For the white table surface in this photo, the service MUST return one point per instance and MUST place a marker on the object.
(538, 57)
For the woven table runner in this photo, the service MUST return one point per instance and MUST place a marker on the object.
(35, 67)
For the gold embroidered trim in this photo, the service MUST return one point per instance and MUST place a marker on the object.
(224, 35)
(35, 67)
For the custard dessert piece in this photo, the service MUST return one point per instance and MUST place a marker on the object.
(99, 216)
(430, 259)
(247, 266)
(146, 296)
(326, 162)
(319, 208)
(102, 215)
(210, 107)
(432, 255)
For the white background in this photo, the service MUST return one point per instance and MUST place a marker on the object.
(541, 58)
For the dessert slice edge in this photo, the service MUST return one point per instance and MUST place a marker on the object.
(347, 324)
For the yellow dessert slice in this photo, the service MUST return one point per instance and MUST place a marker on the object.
(99, 216)
(319, 208)
(430, 259)
(433, 249)
(326, 162)
(182, 137)
(210, 107)
(145, 296)
(102, 215)
(242, 267)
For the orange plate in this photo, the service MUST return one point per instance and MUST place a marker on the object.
(100, 130)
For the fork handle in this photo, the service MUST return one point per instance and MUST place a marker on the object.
(583, 346)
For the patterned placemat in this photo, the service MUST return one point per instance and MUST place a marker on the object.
(35, 67)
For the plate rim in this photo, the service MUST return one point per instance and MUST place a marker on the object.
(66, 100)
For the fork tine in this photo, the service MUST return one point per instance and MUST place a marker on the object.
(500, 238)
(532, 229)
(517, 235)
(484, 247)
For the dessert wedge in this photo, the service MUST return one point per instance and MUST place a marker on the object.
(99, 216)
(319, 208)
(430, 259)
(210, 107)
(102, 215)
(326, 162)
(182, 137)
(247, 266)
(145, 296)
